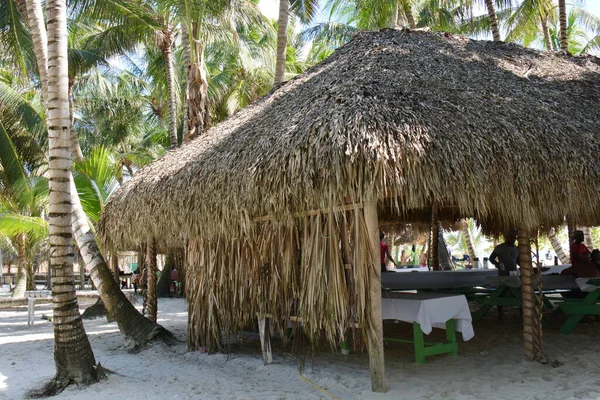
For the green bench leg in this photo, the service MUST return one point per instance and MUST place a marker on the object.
(419, 343)
(570, 324)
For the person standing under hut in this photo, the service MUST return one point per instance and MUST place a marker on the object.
(384, 251)
(505, 256)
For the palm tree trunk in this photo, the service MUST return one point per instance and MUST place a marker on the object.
(75, 148)
(30, 269)
(434, 259)
(167, 50)
(151, 276)
(562, 14)
(409, 14)
(532, 323)
(37, 28)
(114, 267)
(21, 278)
(546, 31)
(443, 255)
(73, 356)
(493, 20)
(469, 241)
(284, 10)
(587, 235)
(136, 329)
(558, 249)
(196, 92)
(163, 286)
(187, 59)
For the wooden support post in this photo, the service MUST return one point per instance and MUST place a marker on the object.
(265, 340)
(374, 321)
(527, 294)
(349, 275)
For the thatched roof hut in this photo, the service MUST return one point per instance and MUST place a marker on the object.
(404, 120)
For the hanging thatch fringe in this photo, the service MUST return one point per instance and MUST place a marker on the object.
(285, 270)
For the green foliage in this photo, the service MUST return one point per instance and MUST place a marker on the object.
(96, 178)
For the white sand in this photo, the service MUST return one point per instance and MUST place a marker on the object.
(490, 366)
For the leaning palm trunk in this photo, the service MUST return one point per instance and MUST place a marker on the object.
(151, 303)
(562, 13)
(558, 249)
(75, 148)
(137, 329)
(167, 51)
(546, 31)
(587, 235)
(21, 279)
(196, 92)
(73, 356)
(468, 240)
(284, 10)
(34, 15)
(114, 266)
(493, 20)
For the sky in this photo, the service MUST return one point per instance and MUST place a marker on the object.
(271, 8)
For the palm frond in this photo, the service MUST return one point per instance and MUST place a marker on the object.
(12, 224)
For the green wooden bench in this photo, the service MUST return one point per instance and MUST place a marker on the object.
(503, 295)
(425, 349)
(576, 309)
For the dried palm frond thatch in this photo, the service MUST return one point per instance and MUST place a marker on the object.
(487, 129)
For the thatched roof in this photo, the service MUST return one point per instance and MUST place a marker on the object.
(490, 130)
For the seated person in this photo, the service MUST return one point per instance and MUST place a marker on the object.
(581, 263)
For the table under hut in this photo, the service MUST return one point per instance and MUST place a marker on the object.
(279, 206)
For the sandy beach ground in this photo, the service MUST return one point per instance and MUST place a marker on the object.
(490, 366)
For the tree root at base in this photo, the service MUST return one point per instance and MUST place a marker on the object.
(59, 383)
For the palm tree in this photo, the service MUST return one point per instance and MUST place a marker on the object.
(136, 329)
(529, 17)
(305, 10)
(150, 263)
(20, 162)
(152, 24)
(562, 16)
(222, 26)
(75, 362)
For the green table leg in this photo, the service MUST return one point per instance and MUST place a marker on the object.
(451, 334)
(419, 343)
(345, 347)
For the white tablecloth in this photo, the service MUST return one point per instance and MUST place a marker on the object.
(430, 310)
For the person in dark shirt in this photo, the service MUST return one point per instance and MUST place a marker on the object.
(505, 256)
(384, 250)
